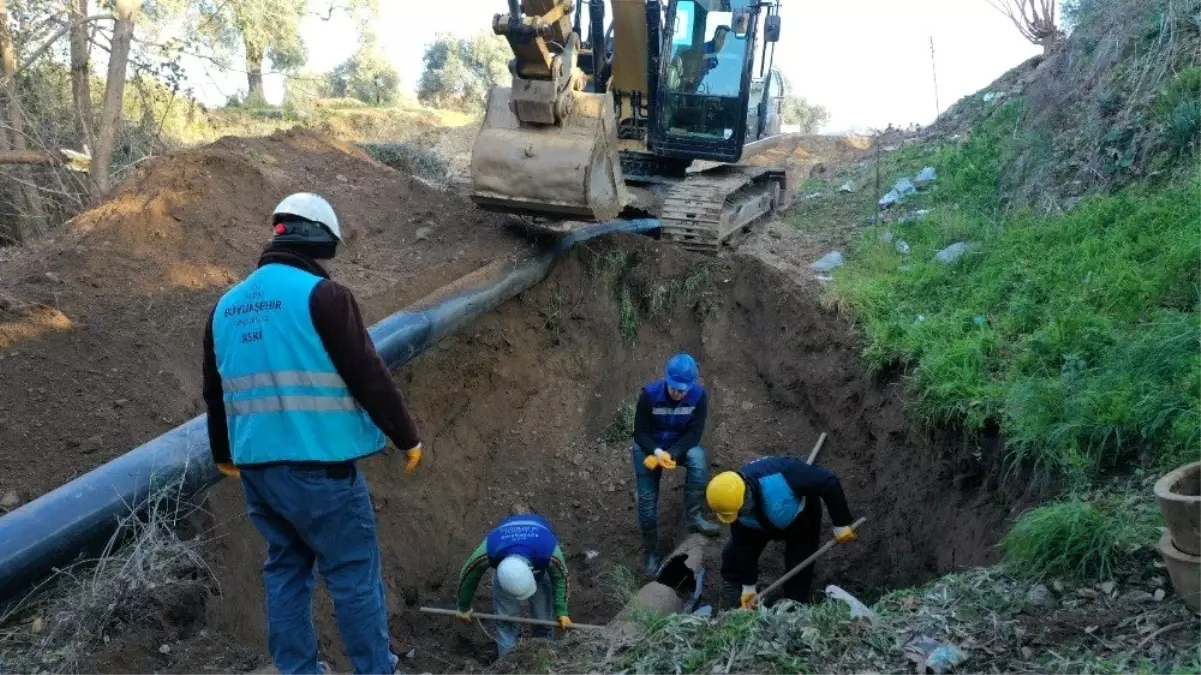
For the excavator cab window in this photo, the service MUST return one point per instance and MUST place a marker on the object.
(703, 98)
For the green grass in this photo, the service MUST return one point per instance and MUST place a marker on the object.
(621, 428)
(1082, 537)
(1077, 333)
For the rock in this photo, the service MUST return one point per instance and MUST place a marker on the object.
(990, 96)
(10, 501)
(902, 247)
(1159, 595)
(120, 403)
(341, 179)
(1088, 593)
(828, 262)
(1107, 587)
(847, 188)
(926, 175)
(36, 625)
(747, 406)
(951, 253)
(1039, 597)
(422, 233)
(1057, 585)
(164, 649)
(54, 278)
(93, 444)
(1136, 597)
(887, 237)
(774, 234)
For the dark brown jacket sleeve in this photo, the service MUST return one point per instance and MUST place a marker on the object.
(338, 321)
(213, 401)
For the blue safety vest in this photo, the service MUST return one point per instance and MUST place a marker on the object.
(775, 498)
(284, 400)
(528, 536)
(670, 418)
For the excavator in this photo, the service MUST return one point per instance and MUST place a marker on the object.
(651, 113)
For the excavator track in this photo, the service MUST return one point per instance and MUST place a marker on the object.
(704, 209)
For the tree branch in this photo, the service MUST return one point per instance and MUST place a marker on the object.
(37, 53)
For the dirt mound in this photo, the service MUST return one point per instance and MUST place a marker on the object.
(100, 327)
(515, 407)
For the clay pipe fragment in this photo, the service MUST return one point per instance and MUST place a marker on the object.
(805, 563)
(510, 619)
(817, 448)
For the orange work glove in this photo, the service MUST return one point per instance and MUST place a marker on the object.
(565, 622)
(229, 470)
(651, 462)
(414, 455)
(465, 616)
(750, 599)
(665, 460)
(844, 534)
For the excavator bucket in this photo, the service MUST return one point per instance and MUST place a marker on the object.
(569, 170)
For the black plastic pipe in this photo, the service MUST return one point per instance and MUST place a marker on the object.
(77, 519)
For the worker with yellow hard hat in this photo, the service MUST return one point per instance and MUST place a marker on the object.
(774, 499)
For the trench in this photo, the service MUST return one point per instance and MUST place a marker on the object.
(514, 409)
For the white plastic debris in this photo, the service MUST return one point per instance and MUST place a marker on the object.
(892, 197)
(828, 262)
(858, 609)
(902, 247)
(926, 175)
(990, 96)
(905, 187)
(930, 654)
(951, 253)
(847, 187)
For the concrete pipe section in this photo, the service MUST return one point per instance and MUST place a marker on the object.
(76, 520)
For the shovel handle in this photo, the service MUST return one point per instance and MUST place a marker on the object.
(805, 563)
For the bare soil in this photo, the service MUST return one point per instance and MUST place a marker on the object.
(100, 327)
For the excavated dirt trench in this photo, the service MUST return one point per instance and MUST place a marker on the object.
(513, 411)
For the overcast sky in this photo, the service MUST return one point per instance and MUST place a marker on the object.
(867, 61)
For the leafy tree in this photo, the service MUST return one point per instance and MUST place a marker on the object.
(458, 72)
(810, 117)
(367, 75)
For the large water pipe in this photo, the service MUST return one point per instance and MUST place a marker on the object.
(77, 519)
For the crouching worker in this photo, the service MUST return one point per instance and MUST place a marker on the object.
(669, 421)
(528, 565)
(774, 499)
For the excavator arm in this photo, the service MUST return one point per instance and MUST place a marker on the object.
(546, 146)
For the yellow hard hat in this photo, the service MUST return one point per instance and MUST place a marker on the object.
(725, 495)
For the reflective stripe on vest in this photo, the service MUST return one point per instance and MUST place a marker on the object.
(286, 378)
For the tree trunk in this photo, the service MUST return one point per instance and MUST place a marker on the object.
(254, 74)
(114, 92)
(31, 219)
(81, 88)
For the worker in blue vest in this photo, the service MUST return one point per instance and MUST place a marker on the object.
(669, 421)
(296, 395)
(528, 566)
(774, 499)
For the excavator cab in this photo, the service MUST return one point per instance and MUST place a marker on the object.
(709, 67)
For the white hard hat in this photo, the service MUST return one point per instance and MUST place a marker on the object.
(516, 578)
(310, 207)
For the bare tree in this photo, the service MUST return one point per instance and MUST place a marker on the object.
(81, 89)
(32, 221)
(126, 12)
(1034, 18)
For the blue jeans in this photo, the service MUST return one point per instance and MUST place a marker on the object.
(311, 522)
(542, 606)
(697, 474)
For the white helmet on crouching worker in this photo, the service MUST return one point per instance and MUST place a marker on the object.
(516, 578)
(307, 219)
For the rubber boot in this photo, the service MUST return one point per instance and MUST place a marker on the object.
(731, 595)
(650, 544)
(694, 499)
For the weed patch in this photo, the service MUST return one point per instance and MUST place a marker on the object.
(622, 426)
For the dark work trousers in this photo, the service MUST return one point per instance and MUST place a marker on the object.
(740, 557)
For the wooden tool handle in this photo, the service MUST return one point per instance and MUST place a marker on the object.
(805, 563)
(510, 619)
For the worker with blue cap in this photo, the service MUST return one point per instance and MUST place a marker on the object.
(668, 424)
